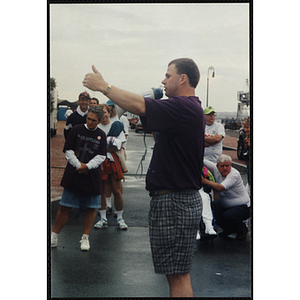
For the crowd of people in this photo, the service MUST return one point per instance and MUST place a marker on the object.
(192, 185)
(81, 150)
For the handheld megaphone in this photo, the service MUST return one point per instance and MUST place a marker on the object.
(154, 93)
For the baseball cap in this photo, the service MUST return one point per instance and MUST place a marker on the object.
(209, 110)
(109, 102)
(84, 95)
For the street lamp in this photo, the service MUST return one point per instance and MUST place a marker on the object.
(213, 75)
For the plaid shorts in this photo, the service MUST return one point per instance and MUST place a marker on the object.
(173, 223)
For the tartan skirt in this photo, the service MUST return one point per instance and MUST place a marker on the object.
(173, 223)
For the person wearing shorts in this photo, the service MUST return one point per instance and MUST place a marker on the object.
(85, 150)
(174, 174)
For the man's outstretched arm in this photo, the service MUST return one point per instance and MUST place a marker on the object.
(129, 101)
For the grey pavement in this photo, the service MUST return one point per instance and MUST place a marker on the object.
(119, 263)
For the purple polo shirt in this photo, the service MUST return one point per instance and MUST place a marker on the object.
(177, 158)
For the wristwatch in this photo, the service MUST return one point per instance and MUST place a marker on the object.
(107, 89)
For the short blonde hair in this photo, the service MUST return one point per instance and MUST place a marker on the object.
(102, 105)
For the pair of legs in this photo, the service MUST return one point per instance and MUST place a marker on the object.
(173, 223)
(63, 216)
(180, 285)
(111, 185)
(231, 219)
(207, 216)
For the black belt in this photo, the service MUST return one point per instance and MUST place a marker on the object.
(160, 192)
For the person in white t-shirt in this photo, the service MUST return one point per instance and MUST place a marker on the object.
(68, 112)
(125, 121)
(233, 206)
(111, 174)
(214, 135)
(114, 117)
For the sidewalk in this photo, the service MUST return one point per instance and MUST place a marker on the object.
(58, 160)
(229, 148)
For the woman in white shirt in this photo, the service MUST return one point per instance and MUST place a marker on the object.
(111, 174)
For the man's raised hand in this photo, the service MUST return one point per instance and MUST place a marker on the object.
(94, 81)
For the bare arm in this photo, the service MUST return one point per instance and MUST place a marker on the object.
(129, 101)
(211, 140)
(214, 185)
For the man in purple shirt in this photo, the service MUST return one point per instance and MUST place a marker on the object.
(175, 164)
(174, 174)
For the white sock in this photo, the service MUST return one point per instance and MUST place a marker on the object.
(54, 235)
(119, 214)
(103, 214)
(85, 235)
(108, 201)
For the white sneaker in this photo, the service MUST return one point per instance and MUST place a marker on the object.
(85, 244)
(53, 242)
(121, 224)
(210, 231)
(101, 224)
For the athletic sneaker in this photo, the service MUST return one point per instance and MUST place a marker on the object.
(101, 224)
(121, 224)
(210, 231)
(53, 242)
(85, 244)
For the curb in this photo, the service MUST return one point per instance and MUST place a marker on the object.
(239, 167)
(229, 148)
(55, 198)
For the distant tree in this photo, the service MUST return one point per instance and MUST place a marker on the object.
(52, 87)
(52, 83)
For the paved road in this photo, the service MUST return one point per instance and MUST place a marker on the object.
(119, 263)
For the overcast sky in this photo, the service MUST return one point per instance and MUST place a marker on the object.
(131, 45)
